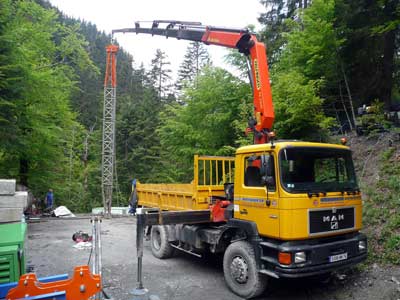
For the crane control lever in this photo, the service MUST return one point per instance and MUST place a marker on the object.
(241, 39)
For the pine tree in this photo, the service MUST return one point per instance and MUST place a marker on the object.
(39, 131)
(195, 59)
(371, 30)
(274, 21)
(160, 74)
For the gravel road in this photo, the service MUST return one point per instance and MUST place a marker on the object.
(50, 251)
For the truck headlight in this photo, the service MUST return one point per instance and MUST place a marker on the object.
(300, 257)
(362, 246)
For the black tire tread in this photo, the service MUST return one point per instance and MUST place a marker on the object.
(166, 250)
(257, 282)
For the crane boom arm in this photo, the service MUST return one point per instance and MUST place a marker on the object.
(241, 39)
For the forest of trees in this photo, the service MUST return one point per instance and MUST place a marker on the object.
(326, 57)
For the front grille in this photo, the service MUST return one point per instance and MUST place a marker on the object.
(330, 220)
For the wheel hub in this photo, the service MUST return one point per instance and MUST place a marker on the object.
(239, 269)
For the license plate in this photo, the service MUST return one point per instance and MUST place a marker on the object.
(338, 257)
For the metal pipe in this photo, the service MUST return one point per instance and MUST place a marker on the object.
(140, 217)
(94, 270)
(99, 243)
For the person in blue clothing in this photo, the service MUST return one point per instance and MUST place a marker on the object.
(49, 199)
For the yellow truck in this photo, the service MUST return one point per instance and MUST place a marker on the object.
(279, 209)
(286, 209)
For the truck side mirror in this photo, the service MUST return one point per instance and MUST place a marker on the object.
(269, 181)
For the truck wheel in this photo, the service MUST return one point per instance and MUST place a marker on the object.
(160, 246)
(240, 270)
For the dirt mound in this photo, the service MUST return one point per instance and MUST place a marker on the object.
(368, 151)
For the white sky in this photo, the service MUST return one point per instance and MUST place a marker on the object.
(114, 14)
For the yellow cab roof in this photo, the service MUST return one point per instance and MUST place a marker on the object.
(285, 144)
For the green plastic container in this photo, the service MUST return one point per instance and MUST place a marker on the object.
(12, 251)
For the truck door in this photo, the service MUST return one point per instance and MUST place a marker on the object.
(257, 197)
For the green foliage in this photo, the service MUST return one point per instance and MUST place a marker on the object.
(204, 125)
(298, 109)
(40, 130)
(160, 74)
(382, 210)
(196, 58)
(274, 19)
(312, 43)
(308, 58)
(371, 31)
(337, 40)
(137, 141)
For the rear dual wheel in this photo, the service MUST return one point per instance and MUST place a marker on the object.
(240, 270)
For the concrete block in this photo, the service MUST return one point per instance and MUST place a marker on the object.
(10, 214)
(7, 186)
(19, 200)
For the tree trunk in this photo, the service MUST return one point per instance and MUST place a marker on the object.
(23, 171)
(389, 50)
(345, 109)
(387, 69)
(348, 93)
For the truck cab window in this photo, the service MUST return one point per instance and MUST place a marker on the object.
(259, 171)
(252, 171)
(317, 170)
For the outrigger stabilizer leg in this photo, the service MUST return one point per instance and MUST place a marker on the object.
(141, 293)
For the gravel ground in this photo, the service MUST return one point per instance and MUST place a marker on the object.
(50, 251)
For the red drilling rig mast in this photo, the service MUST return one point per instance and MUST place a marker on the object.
(108, 148)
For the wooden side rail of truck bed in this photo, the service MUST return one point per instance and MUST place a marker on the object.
(210, 175)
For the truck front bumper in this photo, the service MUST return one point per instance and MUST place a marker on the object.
(322, 255)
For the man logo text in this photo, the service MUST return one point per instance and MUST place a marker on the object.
(332, 218)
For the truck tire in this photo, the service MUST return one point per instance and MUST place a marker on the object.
(240, 271)
(160, 246)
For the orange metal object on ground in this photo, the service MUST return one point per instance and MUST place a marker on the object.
(81, 286)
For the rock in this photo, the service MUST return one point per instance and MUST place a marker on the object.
(7, 187)
(17, 200)
(341, 277)
(11, 214)
(394, 279)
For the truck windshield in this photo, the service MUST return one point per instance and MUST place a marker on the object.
(316, 170)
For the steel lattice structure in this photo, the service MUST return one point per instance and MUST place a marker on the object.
(108, 148)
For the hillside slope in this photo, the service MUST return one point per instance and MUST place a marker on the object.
(377, 162)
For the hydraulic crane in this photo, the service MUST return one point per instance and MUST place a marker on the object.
(241, 39)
